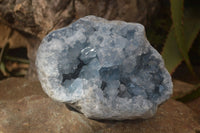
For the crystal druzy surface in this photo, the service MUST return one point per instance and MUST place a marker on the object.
(104, 69)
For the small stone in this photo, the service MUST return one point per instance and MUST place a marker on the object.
(104, 69)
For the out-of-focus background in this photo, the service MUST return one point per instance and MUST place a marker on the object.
(172, 27)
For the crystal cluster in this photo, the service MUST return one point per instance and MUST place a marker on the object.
(104, 69)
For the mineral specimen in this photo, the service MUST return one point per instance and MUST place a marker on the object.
(104, 69)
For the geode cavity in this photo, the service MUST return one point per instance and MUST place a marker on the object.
(104, 69)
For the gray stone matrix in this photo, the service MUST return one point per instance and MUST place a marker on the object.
(104, 69)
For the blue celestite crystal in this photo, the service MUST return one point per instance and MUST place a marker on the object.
(105, 69)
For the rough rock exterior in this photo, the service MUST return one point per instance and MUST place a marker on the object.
(37, 114)
(104, 69)
(33, 112)
(37, 17)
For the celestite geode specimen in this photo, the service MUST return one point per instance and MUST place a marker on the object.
(104, 69)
